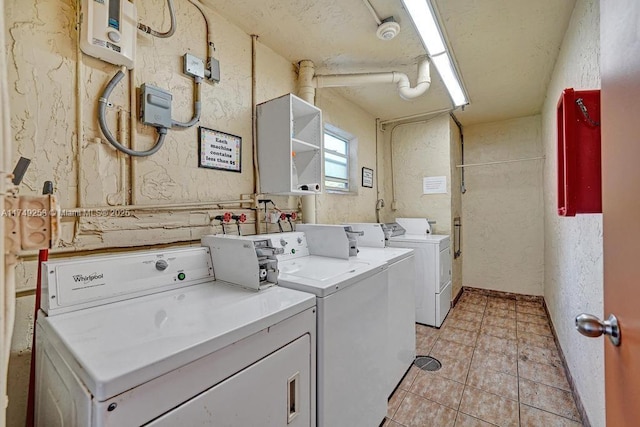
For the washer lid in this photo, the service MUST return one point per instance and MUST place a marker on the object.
(323, 276)
(116, 347)
(420, 238)
(388, 255)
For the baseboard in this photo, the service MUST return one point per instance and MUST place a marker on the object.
(501, 294)
(572, 384)
(455, 299)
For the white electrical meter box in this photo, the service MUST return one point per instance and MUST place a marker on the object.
(109, 30)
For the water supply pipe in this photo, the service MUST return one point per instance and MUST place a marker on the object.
(405, 90)
(307, 91)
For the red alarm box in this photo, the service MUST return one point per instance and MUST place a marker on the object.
(579, 158)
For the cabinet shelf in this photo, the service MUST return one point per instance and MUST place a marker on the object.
(299, 146)
(289, 138)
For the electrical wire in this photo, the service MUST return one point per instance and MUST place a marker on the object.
(197, 107)
(102, 108)
(166, 34)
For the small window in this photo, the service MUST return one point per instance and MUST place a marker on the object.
(337, 162)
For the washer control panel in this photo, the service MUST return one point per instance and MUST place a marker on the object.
(294, 244)
(72, 284)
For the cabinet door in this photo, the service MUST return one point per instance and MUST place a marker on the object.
(275, 391)
(445, 268)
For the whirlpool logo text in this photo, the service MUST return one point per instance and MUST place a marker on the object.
(87, 279)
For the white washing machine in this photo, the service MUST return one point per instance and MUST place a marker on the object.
(151, 339)
(433, 267)
(351, 296)
(401, 331)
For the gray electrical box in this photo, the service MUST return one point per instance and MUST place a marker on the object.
(155, 106)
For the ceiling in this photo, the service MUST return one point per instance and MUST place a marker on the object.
(505, 49)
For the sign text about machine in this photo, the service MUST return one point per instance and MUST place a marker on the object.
(219, 150)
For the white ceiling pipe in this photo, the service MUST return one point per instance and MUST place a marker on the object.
(404, 86)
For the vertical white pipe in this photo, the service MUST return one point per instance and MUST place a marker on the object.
(306, 88)
(254, 130)
(79, 112)
(307, 92)
(7, 285)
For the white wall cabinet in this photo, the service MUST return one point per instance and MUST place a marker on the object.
(290, 155)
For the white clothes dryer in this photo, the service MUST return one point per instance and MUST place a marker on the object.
(433, 267)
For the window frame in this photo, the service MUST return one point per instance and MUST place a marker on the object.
(351, 160)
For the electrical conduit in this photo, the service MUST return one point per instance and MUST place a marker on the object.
(210, 45)
(102, 108)
(165, 34)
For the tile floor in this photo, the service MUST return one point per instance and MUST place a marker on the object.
(500, 366)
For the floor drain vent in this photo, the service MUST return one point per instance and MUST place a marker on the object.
(427, 363)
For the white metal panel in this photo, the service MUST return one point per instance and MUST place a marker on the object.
(373, 234)
(443, 304)
(415, 225)
(264, 391)
(387, 254)
(323, 276)
(326, 240)
(154, 398)
(401, 335)
(113, 348)
(234, 260)
(426, 277)
(294, 244)
(73, 284)
(444, 261)
(60, 399)
(352, 361)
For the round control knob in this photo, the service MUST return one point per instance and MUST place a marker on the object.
(283, 242)
(299, 239)
(161, 265)
(114, 36)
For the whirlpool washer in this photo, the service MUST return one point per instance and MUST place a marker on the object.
(150, 338)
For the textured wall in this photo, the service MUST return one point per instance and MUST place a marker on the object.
(456, 204)
(573, 246)
(419, 150)
(423, 149)
(43, 80)
(359, 205)
(502, 208)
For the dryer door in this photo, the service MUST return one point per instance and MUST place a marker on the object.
(273, 392)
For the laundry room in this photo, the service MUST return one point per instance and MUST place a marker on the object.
(315, 155)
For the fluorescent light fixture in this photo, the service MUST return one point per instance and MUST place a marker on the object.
(425, 21)
(448, 74)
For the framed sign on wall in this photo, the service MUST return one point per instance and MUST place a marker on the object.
(367, 177)
(219, 150)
